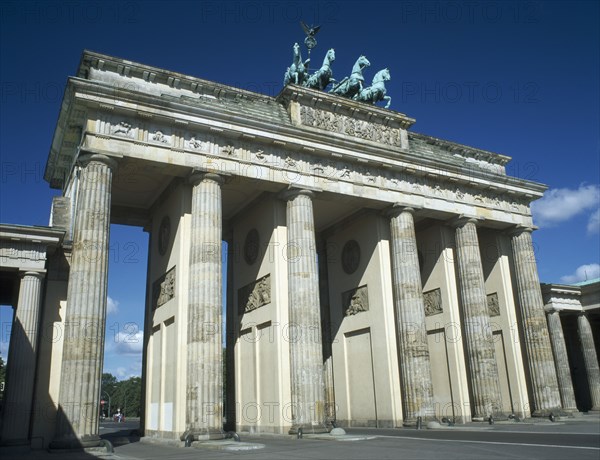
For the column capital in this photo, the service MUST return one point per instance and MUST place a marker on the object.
(552, 309)
(463, 219)
(519, 229)
(86, 158)
(197, 176)
(293, 191)
(38, 274)
(398, 208)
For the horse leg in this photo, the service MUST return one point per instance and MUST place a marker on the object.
(389, 101)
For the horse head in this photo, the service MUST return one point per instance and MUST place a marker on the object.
(382, 75)
(362, 62)
(330, 55)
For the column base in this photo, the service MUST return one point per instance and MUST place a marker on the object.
(308, 429)
(190, 436)
(497, 416)
(412, 422)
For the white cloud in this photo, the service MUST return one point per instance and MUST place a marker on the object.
(112, 305)
(593, 225)
(128, 343)
(133, 368)
(120, 372)
(583, 273)
(561, 204)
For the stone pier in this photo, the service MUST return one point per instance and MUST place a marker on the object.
(326, 335)
(415, 368)
(85, 316)
(204, 395)
(22, 361)
(306, 353)
(542, 371)
(561, 360)
(481, 356)
(590, 358)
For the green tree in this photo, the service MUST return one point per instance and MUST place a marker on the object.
(107, 391)
(128, 397)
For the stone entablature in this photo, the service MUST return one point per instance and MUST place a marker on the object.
(384, 163)
(26, 248)
(276, 163)
(561, 297)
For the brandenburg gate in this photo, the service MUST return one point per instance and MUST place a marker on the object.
(373, 275)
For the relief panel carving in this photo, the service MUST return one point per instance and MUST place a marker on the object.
(433, 302)
(355, 301)
(163, 289)
(345, 125)
(122, 129)
(254, 295)
(493, 304)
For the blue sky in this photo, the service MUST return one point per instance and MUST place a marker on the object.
(516, 78)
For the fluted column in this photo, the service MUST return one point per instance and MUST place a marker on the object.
(481, 355)
(542, 371)
(415, 366)
(20, 368)
(85, 317)
(306, 353)
(561, 360)
(204, 394)
(590, 359)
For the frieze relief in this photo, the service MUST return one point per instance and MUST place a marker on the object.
(324, 170)
(158, 136)
(254, 295)
(433, 302)
(122, 129)
(342, 124)
(163, 289)
(355, 301)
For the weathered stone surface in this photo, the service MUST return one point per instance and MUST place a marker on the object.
(561, 359)
(415, 367)
(479, 344)
(542, 371)
(204, 393)
(306, 353)
(590, 358)
(85, 317)
(61, 214)
(18, 398)
(326, 326)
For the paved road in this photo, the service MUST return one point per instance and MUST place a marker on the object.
(562, 440)
(573, 439)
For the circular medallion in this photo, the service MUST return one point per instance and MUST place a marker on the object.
(251, 247)
(310, 42)
(164, 235)
(350, 256)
